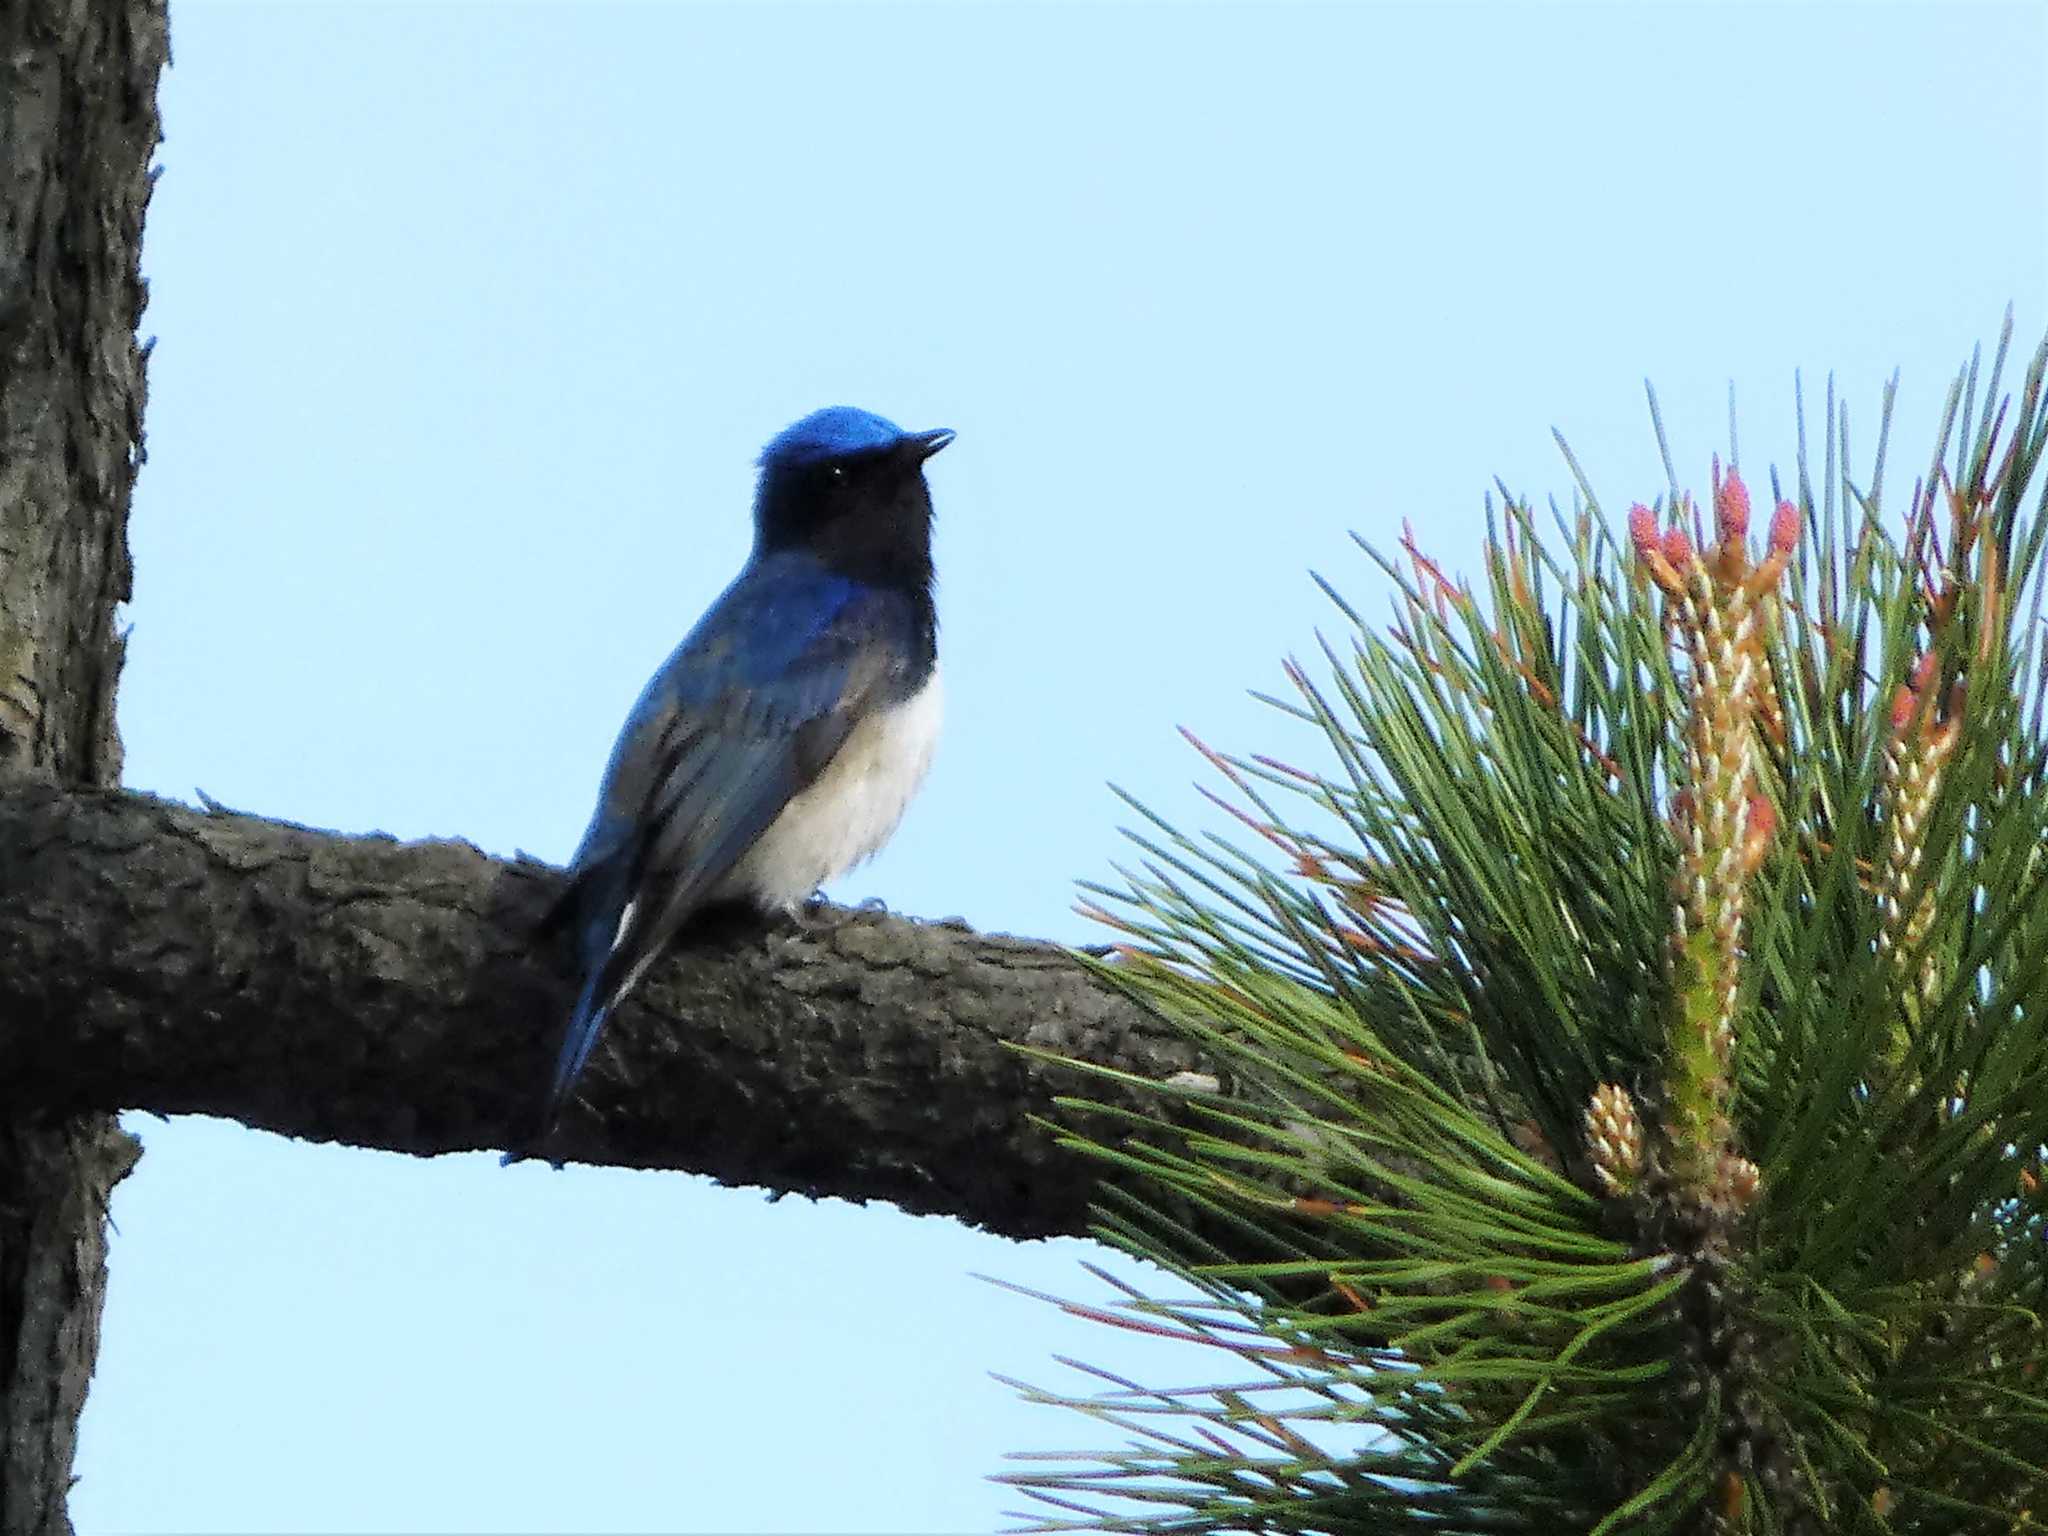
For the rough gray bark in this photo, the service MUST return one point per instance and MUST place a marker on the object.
(392, 995)
(78, 125)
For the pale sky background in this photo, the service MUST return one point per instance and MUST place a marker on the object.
(470, 322)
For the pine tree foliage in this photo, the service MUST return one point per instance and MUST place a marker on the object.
(1631, 1057)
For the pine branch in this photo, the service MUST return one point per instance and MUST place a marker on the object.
(390, 995)
(1634, 1042)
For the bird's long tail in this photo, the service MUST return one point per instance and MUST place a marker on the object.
(586, 1023)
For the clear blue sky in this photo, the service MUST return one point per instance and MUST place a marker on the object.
(470, 321)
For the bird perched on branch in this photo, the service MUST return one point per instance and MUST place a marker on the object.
(782, 741)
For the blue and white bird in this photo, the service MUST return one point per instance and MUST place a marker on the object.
(781, 743)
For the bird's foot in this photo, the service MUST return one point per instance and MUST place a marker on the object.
(799, 917)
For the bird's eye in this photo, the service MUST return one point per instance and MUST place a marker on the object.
(838, 473)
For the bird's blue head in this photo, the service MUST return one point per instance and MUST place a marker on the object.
(837, 432)
(849, 486)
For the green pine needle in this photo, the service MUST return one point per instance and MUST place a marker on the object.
(1441, 1301)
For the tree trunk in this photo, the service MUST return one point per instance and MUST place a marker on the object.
(78, 124)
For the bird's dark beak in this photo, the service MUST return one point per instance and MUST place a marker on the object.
(922, 445)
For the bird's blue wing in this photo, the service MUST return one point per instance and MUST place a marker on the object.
(745, 714)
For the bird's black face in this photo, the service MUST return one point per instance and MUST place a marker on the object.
(868, 514)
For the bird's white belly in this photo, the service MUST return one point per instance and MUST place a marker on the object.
(850, 810)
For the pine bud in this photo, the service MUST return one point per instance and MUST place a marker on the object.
(1784, 529)
(1677, 548)
(1642, 528)
(1739, 1183)
(1614, 1137)
(1760, 826)
(1904, 703)
(1731, 504)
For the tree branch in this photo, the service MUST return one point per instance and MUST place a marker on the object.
(391, 995)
